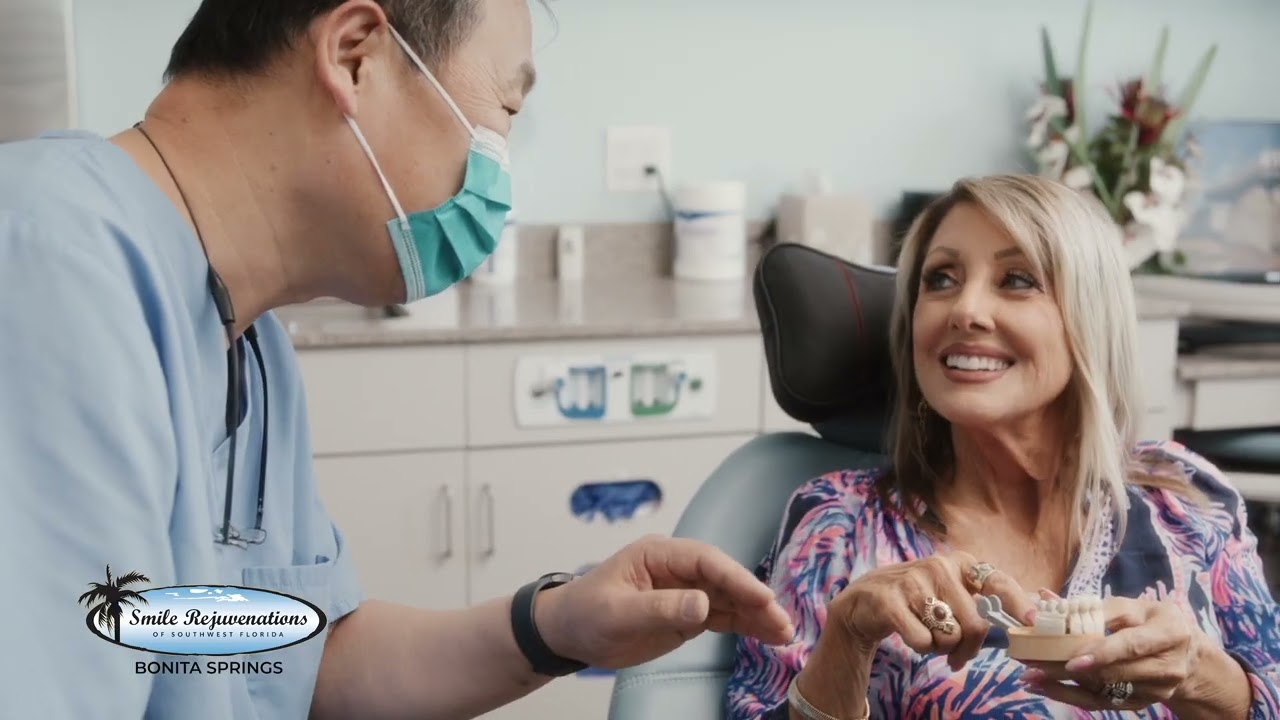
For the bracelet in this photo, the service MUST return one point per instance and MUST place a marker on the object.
(810, 712)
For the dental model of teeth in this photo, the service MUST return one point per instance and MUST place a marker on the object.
(1076, 616)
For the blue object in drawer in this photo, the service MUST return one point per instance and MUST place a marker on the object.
(614, 501)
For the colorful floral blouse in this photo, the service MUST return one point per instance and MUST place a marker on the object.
(836, 528)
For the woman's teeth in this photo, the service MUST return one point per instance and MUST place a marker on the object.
(975, 362)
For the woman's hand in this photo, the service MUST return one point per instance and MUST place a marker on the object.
(1153, 650)
(929, 603)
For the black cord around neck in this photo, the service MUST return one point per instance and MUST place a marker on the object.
(226, 313)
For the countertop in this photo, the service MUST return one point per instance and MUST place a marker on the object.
(534, 310)
(549, 310)
(1225, 362)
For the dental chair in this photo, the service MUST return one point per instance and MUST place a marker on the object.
(825, 326)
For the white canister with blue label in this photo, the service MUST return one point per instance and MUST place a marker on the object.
(500, 267)
(711, 231)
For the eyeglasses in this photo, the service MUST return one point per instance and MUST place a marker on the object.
(236, 386)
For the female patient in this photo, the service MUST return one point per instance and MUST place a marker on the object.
(1016, 473)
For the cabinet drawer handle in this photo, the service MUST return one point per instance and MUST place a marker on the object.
(490, 546)
(446, 502)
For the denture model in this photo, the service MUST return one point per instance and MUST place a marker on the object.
(1077, 616)
(1061, 628)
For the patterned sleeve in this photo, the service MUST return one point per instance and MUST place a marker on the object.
(1246, 612)
(809, 564)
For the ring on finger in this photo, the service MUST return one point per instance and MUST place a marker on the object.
(938, 616)
(1118, 692)
(979, 572)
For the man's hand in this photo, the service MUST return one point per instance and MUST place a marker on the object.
(653, 596)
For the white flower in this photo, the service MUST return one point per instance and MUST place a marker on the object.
(1040, 114)
(1052, 158)
(1079, 177)
(1167, 182)
(1158, 215)
(1161, 220)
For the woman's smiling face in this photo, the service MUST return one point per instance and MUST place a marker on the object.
(990, 347)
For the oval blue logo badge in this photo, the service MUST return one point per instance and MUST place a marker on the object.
(206, 620)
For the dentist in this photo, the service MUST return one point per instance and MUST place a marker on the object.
(151, 413)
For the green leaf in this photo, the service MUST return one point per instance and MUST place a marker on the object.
(1078, 86)
(1189, 95)
(1081, 154)
(1154, 75)
(1129, 177)
(1052, 83)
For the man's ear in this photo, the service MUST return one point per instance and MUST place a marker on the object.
(345, 40)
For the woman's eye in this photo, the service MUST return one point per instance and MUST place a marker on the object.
(937, 280)
(1021, 281)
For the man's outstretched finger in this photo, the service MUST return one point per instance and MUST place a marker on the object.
(768, 624)
(683, 562)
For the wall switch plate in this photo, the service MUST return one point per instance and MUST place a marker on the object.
(630, 150)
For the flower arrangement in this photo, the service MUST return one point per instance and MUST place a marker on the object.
(1137, 164)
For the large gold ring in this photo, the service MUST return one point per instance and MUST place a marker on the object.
(938, 616)
(979, 573)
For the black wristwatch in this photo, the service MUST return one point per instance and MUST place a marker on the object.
(544, 661)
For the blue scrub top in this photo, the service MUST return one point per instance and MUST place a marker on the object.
(113, 446)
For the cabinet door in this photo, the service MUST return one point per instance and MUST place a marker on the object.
(403, 517)
(549, 508)
(384, 399)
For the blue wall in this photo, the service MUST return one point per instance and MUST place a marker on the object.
(885, 95)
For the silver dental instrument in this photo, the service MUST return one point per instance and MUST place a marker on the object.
(990, 608)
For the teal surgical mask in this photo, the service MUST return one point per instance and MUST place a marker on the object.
(440, 247)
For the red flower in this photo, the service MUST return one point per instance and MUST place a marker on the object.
(1150, 112)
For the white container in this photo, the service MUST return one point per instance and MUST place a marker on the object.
(711, 231)
(500, 267)
(571, 253)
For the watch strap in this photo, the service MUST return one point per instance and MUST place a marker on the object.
(540, 656)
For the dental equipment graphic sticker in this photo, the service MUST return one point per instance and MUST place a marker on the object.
(554, 391)
(197, 619)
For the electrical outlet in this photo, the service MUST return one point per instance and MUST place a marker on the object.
(633, 148)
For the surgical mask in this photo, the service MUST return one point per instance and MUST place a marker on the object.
(440, 247)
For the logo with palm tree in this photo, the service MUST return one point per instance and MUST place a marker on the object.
(110, 598)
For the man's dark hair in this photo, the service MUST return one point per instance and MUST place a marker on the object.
(230, 37)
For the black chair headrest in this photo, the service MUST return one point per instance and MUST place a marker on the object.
(825, 323)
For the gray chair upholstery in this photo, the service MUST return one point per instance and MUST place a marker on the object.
(824, 324)
(738, 509)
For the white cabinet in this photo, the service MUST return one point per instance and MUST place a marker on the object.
(404, 519)
(566, 508)
(385, 399)
(542, 509)
(1157, 371)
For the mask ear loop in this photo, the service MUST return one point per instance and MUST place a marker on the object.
(448, 100)
(382, 177)
(401, 218)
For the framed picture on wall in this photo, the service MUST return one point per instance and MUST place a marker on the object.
(1233, 226)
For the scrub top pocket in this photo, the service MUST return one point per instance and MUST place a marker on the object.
(290, 684)
(245, 483)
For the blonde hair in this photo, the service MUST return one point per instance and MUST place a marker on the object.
(1070, 240)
